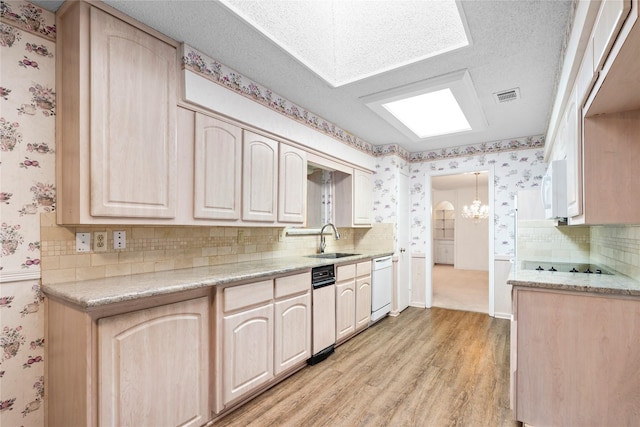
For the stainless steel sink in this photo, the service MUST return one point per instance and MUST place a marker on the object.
(332, 255)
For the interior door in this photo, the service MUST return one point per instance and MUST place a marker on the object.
(403, 248)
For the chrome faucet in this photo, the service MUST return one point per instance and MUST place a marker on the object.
(323, 244)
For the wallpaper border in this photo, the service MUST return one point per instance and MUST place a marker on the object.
(216, 72)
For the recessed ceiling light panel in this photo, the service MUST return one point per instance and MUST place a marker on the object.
(430, 114)
(431, 108)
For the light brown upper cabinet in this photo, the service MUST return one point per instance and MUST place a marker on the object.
(599, 128)
(259, 178)
(217, 169)
(610, 18)
(237, 177)
(116, 118)
(362, 198)
(354, 198)
(292, 186)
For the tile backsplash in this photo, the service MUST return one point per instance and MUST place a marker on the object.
(542, 240)
(616, 247)
(149, 249)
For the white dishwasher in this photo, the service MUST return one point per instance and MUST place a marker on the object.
(381, 287)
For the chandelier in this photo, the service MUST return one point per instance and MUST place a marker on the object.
(477, 210)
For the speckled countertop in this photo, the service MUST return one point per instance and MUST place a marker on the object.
(88, 294)
(613, 284)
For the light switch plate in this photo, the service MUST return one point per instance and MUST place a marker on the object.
(119, 239)
(83, 242)
(100, 241)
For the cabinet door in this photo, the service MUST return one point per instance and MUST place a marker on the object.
(345, 309)
(292, 188)
(363, 302)
(574, 155)
(259, 178)
(218, 163)
(553, 386)
(610, 18)
(247, 359)
(363, 198)
(150, 361)
(133, 121)
(292, 332)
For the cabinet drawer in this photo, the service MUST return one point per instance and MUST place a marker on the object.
(292, 285)
(236, 297)
(346, 272)
(363, 268)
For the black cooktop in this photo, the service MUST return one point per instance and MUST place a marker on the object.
(564, 267)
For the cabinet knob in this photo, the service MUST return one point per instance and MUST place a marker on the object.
(402, 249)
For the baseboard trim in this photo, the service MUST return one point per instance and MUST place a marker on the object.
(506, 316)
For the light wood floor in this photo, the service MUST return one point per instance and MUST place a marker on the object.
(457, 289)
(426, 367)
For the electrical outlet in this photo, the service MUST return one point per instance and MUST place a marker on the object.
(119, 239)
(100, 241)
(83, 242)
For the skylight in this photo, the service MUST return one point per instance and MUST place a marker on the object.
(346, 41)
(431, 108)
(430, 114)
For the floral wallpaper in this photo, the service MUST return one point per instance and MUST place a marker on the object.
(513, 170)
(27, 188)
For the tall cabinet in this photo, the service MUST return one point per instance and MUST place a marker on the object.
(115, 119)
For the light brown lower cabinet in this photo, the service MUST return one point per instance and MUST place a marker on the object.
(187, 358)
(345, 302)
(248, 351)
(263, 334)
(128, 366)
(575, 358)
(353, 299)
(363, 295)
(153, 366)
(292, 332)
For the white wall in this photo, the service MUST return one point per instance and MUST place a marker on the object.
(471, 239)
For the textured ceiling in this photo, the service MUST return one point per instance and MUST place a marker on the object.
(345, 41)
(515, 43)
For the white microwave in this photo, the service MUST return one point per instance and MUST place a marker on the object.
(554, 190)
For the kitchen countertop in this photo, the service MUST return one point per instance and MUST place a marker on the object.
(613, 284)
(89, 294)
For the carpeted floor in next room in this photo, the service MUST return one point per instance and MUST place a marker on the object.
(466, 290)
